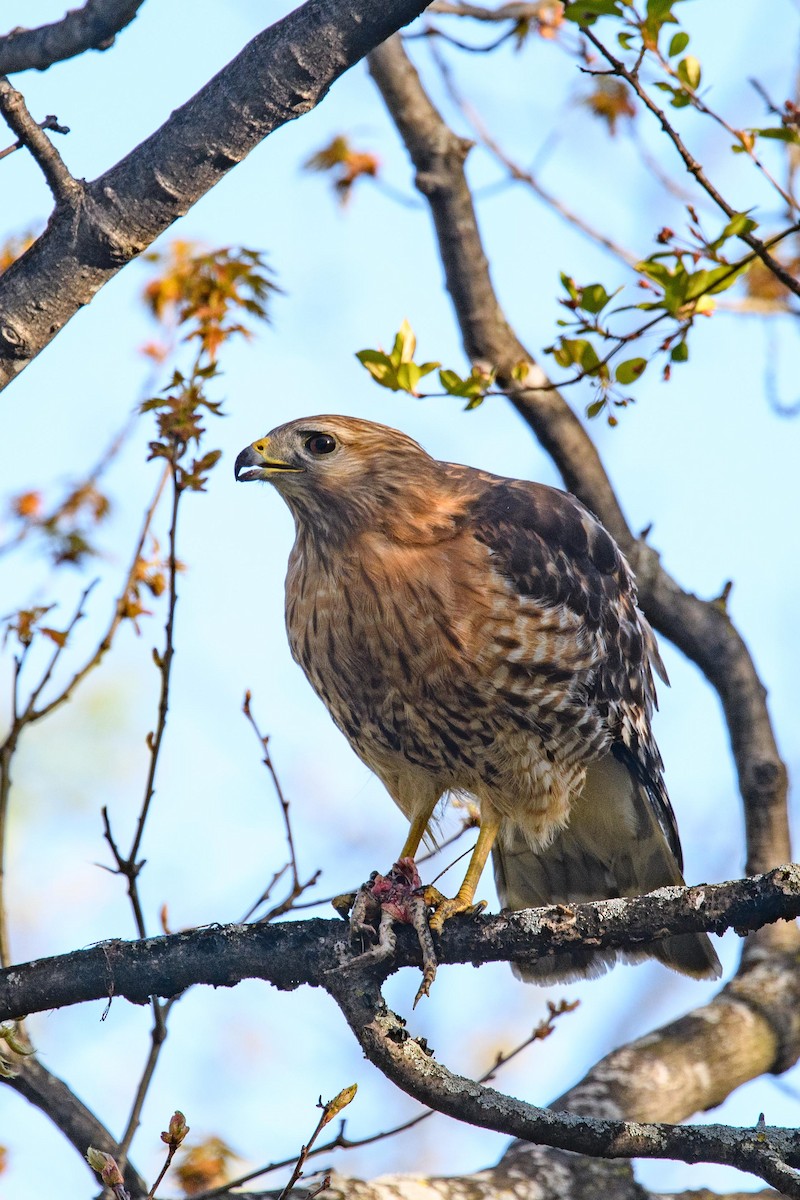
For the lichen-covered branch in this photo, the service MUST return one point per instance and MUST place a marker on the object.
(770, 1154)
(311, 952)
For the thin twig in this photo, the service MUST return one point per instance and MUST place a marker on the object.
(164, 661)
(521, 175)
(692, 165)
(298, 886)
(700, 105)
(50, 123)
(157, 1038)
(65, 188)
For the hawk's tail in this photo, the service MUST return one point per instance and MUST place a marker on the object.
(613, 846)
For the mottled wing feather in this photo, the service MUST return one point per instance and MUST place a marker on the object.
(550, 548)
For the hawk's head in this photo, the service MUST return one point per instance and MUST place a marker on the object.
(341, 473)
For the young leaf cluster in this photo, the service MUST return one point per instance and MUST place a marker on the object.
(398, 372)
(205, 297)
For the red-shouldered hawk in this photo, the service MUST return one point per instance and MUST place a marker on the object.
(470, 633)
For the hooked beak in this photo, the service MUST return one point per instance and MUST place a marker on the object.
(262, 465)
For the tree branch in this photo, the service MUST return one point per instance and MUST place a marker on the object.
(69, 1114)
(92, 27)
(66, 190)
(310, 952)
(768, 1153)
(283, 72)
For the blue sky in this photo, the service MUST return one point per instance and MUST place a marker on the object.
(705, 459)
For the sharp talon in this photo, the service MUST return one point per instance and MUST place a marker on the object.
(446, 909)
(425, 938)
(344, 903)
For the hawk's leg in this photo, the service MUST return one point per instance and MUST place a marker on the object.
(464, 899)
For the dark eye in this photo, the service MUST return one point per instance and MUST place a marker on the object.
(321, 443)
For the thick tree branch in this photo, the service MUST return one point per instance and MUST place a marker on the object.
(702, 630)
(283, 72)
(750, 1029)
(768, 1153)
(539, 1173)
(298, 952)
(92, 27)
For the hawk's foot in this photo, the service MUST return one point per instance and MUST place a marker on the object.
(382, 901)
(445, 908)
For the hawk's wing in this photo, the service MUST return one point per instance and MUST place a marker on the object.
(551, 549)
(622, 837)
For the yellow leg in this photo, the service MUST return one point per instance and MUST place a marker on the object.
(416, 834)
(464, 897)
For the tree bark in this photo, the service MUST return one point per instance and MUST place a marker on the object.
(284, 72)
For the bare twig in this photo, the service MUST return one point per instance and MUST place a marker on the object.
(50, 123)
(91, 27)
(298, 886)
(692, 165)
(65, 188)
(157, 1038)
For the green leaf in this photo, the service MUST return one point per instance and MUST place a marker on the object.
(680, 353)
(380, 367)
(408, 376)
(660, 10)
(657, 271)
(689, 72)
(473, 387)
(630, 370)
(578, 351)
(594, 298)
(740, 223)
(711, 283)
(405, 343)
(781, 132)
(586, 12)
(595, 408)
(678, 44)
(569, 285)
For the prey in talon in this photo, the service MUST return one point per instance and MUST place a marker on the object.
(480, 635)
(380, 903)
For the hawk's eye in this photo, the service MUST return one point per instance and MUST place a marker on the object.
(321, 443)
